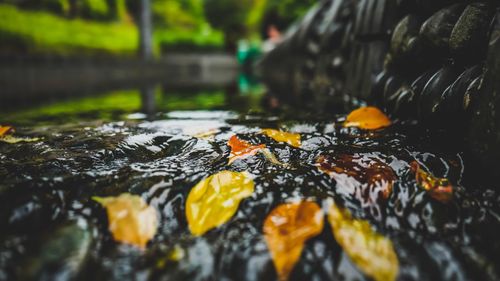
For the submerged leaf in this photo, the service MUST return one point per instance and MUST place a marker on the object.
(214, 200)
(286, 229)
(290, 138)
(368, 118)
(371, 252)
(131, 220)
(365, 176)
(438, 188)
(241, 149)
(4, 130)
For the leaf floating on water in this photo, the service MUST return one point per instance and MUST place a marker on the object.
(13, 140)
(6, 136)
(286, 229)
(372, 253)
(4, 130)
(214, 200)
(438, 188)
(241, 149)
(131, 220)
(368, 118)
(279, 136)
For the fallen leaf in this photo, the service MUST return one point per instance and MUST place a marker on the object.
(371, 252)
(12, 140)
(368, 118)
(4, 130)
(365, 176)
(214, 200)
(131, 220)
(438, 188)
(279, 136)
(241, 149)
(286, 229)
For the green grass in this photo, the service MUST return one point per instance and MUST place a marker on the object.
(42, 32)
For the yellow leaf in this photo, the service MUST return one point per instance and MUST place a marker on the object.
(131, 220)
(214, 200)
(12, 140)
(286, 229)
(438, 188)
(290, 138)
(371, 252)
(369, 118)
(242, 149)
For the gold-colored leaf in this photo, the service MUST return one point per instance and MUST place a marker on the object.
(290, 138)
(241, 149)
(131, 220)
(286, 229)
(214, 200)
(371, 252)
(438, 188)
(368, 118)
(13, 140)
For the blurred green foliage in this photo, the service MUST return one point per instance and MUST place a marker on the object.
(38, 31)
(108, 26)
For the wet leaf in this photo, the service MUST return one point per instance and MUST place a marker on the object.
(438, 188)
(6, 136)
(368, 118)
(13, 140)
(214, 200)
(287, 228)
(279, 136)
(4, 130)
(131, 220)
(241, 149)
(363, 175)
(371, 252)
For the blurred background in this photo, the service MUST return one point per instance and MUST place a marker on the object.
(152, 54)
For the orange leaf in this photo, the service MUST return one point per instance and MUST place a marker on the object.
(369, 118)
(242, 149)
(131, 220)
(286, 229)
(4, 130)
(290, 138)
(438, 188)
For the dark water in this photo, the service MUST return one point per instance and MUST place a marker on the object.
(50, 228)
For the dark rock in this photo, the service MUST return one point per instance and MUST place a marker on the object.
(433, 90)
(61, 255)
(469, 38)
(436, 30)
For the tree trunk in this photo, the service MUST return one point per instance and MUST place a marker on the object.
(145, 30)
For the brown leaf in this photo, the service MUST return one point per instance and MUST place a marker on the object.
(438, 188)
(361, 175)
(287, 228)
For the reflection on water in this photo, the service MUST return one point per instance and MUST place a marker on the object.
(159, 142)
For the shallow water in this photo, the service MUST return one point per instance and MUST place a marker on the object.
(51, 228)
